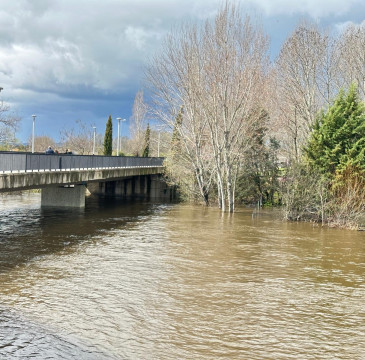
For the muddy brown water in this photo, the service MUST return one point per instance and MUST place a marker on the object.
(139, 280)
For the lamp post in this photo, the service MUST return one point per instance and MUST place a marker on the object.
(33, 116)
(118, 135)
(119, 126)
(159, 128)
(94, 127)
(158, 144)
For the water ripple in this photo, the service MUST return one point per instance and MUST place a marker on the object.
(151, 281)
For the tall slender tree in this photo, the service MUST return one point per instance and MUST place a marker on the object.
(147, 141)
(137, 124)
(108, 138)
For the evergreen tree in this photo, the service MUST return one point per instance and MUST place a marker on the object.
(337, 143)
(108, 138)
(147, 139)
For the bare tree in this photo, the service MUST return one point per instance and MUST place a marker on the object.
(216, 73)
(8, 123)
(301, 79)
(41, 143)
(173, 77)
(235, 66)
(7, 138)
(137, 124)
(78, 140)
(351, 46)
(329, 77)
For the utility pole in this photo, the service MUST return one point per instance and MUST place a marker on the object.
(33, 116)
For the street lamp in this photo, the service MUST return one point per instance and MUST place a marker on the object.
(158, 144)
(159, 128)
(94, 127)
(33, 116)
(119, 126)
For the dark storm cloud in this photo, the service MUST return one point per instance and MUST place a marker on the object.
(93, 53)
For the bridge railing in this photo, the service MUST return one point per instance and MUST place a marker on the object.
(23, 162)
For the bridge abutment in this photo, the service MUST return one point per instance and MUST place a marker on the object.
(64, 196)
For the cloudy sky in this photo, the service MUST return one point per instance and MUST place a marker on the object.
(65, 60)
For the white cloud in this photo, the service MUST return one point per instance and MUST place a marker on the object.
(341, 26)
(85, 49)
(312, 8)
(138, 36)
(60, 43)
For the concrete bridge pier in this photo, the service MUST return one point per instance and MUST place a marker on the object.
(151, 187)
(158, 189)
(64, 196)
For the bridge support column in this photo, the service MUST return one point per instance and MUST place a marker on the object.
(159, 189)
(59, 196)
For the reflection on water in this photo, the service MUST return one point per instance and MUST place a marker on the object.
(28, 231)
(153, 281)
(21, 339)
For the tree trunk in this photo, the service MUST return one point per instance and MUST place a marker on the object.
(230, 193)
(202, 188)
(221, 195)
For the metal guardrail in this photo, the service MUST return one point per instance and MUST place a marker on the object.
(28, 162)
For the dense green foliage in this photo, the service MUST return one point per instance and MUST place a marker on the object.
(305, 193)
(108, 138)
(329, 184)
(337, 143)
(147, 140)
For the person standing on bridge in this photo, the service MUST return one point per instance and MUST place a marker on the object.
(49, 150)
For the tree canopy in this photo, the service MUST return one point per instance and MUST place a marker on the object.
(337, 142)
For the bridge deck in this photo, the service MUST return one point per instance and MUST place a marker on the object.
(19, 171)
(28, 162)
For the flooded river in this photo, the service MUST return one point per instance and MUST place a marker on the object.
(174, 281)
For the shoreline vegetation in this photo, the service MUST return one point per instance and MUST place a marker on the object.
(248, 130)
(236, 127)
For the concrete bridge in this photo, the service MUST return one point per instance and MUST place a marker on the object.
(65, 179)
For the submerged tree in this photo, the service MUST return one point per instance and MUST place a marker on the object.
(258, 180)
(336, 152)
(108, 138)
(178, 166)
(216, 72)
